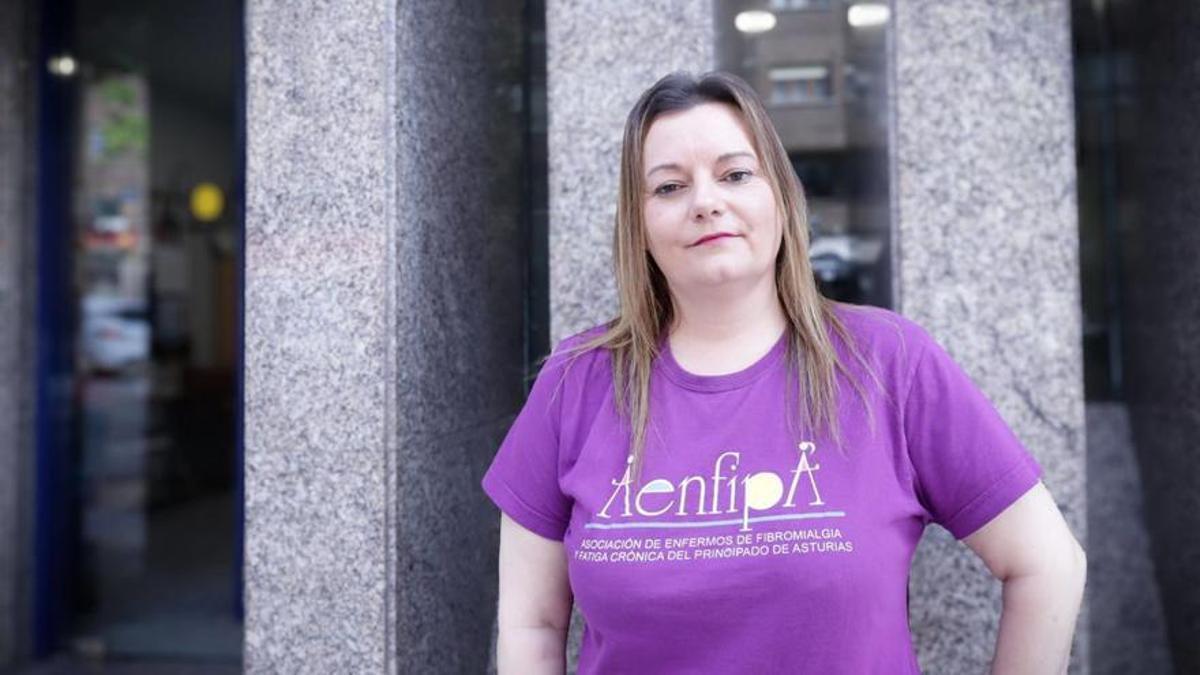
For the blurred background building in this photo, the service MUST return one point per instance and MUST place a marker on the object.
(274, 277)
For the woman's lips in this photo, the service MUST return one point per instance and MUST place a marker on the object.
(713, 237)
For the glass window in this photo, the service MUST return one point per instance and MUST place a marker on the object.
(800, 84)
(142, 529)
(822, 77)
(786, 5)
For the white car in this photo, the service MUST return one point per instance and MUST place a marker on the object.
(114, 332)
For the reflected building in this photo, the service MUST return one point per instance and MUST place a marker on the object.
(823, 81)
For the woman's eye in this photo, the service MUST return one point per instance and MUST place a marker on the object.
(665, 189)
(739, 176)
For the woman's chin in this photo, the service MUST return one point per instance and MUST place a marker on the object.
(725, 275)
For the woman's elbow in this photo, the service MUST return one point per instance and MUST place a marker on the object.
(1080, 564)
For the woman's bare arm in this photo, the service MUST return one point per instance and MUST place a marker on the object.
(535, 602)
(1030, 548)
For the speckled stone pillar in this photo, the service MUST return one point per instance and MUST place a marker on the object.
(1162, 297)
(383, 328)
(1128, 625)
(986, 239)
(320, 440)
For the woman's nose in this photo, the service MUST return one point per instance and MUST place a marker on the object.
(706, 201)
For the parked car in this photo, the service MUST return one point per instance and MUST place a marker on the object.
(114, 333)
(842, 264)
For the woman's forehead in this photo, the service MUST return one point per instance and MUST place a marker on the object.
(711, 131)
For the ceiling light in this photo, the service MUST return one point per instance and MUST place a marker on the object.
(62, 66)
(868, 14)
(754, 21)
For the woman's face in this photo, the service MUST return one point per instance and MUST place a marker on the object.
(702, 177)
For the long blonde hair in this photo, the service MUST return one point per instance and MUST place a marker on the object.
(632, 337)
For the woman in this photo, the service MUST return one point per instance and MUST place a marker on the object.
(731, 475)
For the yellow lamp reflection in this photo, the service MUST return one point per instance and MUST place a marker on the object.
(207, 202)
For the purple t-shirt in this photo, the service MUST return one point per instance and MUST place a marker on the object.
(748, 549)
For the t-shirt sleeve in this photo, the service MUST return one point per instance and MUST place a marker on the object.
(523, 478)
(969, 464)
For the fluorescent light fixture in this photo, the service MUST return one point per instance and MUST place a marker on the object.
(868, 14)
(62, 66)
(754, 21)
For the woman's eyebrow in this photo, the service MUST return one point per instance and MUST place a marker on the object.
(723, 158)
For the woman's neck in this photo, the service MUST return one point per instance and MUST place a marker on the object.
(715, 333)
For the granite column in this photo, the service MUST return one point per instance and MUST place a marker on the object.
(383, 329)
(984, 221)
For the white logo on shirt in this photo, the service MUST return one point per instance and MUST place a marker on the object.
(757, 492)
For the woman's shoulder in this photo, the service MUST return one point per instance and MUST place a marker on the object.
(583, 336)
(883, 332)
(574, 359)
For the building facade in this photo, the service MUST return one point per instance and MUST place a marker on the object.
(425, 204)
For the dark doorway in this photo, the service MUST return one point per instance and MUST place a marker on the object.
(138, 518)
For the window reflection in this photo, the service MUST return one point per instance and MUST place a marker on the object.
(801, 84)
(819, 67)
(785, 5)
(154, 291)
